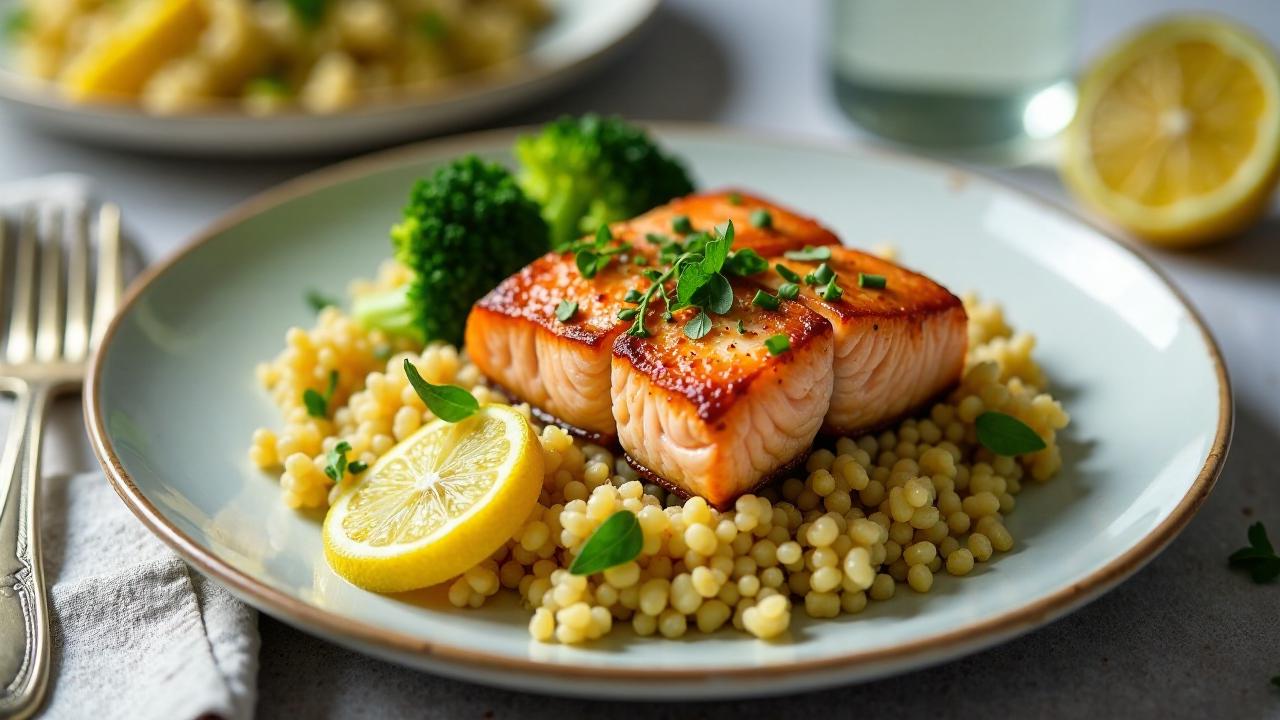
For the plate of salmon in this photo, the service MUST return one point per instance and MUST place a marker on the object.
(617, 411)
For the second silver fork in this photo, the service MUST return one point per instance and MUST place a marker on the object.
(49, 337)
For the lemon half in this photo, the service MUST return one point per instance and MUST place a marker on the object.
(437, 504)
(1177, 133)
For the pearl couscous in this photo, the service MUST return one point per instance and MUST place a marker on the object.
(322, 56)
(866, 515)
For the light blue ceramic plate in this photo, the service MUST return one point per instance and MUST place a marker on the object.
(172, 402)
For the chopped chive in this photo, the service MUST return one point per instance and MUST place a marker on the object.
(765, 300)
(787, 273)
(742, 328)
(809, 252)
(735, 198)
(656, 239)
(566, 310)
(778, 344)
(832, 291)
(761, 218)
(876, 282)
(681, 224)
(640, 260)
(788, 291)
(824, 274)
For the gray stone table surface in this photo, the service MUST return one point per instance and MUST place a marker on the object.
(1184, 638)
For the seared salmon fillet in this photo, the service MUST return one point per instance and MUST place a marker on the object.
(716, 416)
(786, 230)
(562, 368)
(895, 348)
(559, 367)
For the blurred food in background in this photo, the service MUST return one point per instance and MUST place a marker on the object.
(1177, 136)
(981, 78)
(319, 56)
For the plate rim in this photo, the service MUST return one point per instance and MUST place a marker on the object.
(939, 646)
(18, 88)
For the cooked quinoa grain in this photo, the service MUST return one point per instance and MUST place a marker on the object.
(869, 513)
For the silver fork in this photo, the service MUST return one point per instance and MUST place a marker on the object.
(50, 335)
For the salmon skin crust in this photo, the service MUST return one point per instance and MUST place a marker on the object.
(896, 347)
(562, 368)
(716, 415)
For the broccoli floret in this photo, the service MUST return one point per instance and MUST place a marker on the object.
(593, 170)
(465, 229)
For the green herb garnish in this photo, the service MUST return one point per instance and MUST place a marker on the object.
(618, 540)
(762, 218)
(698, 277)
(698, 327)
(764, 300)
(592, 256)
(640, 260)
(742, 327)
(747, 262)
(875, 282)
(447, 402)
(809, 253)
(735, 198)
(309, 12)
(566, 310)
(681, 224)
(319, 301)
(268, 85)
(787, 273)
(788, 291)
(318, 405)
(433, 27)
(778, 344)
(656, 239)
(1259, 559)
(17, 22)
(831, 291)
(336, 466)
(1006, 435)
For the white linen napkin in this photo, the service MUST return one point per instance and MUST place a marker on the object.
(136, 633)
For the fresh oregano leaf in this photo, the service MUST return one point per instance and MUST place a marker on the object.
(618, 540)
(698, 327)
(1006, 435)
(447, 402)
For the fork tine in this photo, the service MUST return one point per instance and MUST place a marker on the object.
(21, 341)
(49, 326)
(77, 337)
(110, 277)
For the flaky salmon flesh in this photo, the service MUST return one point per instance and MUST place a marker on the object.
(896, 348)
(715, 416)
(562, 368)
(719, 415)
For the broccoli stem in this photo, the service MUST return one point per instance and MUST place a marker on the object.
(393, 312)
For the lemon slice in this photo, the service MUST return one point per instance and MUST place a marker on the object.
(1177, 133)
(437, 504)
(152, 34)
